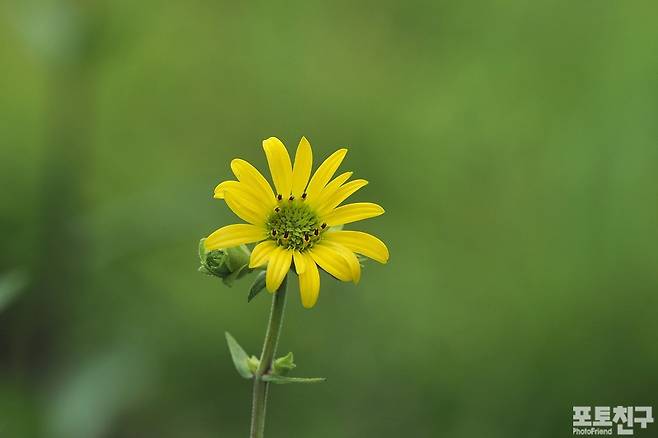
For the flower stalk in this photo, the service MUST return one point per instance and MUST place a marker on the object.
(261, 387)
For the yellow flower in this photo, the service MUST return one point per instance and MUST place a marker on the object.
(294, 225)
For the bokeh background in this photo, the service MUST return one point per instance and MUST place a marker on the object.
(513, 145)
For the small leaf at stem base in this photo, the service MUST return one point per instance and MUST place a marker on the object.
(257, 286)
(239, 356)
(282, 380)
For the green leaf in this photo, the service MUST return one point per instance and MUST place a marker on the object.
(239, 356)
(282, 380)
(257, 287)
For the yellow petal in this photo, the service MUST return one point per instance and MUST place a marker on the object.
(234, 235)
(309, 282)
(300, 262)
(221, 187)
(250, 176)
(250, 196)
(330, 189)
(324, 173)
(261, 253)
(280, 166)
(331, 261)
(361, 243)
(301, 171)
(340, 195)
(243, 190)
(352, 213)
(349, 256)
(277, 268)
(245, 207)
(245, 201)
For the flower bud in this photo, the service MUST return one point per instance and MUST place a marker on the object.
(253, 363)
(228, 264)
(283, 365)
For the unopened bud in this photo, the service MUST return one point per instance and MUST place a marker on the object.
(229, 264)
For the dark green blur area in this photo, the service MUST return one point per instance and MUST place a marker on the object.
(514, 146)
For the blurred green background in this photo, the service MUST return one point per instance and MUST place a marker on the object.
(513, 145)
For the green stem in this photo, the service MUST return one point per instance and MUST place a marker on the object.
(259, 403)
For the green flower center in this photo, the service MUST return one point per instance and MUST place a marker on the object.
(294, 225)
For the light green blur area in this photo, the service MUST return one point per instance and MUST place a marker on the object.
(512, 144)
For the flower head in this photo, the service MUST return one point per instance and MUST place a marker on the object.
(296, 224)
